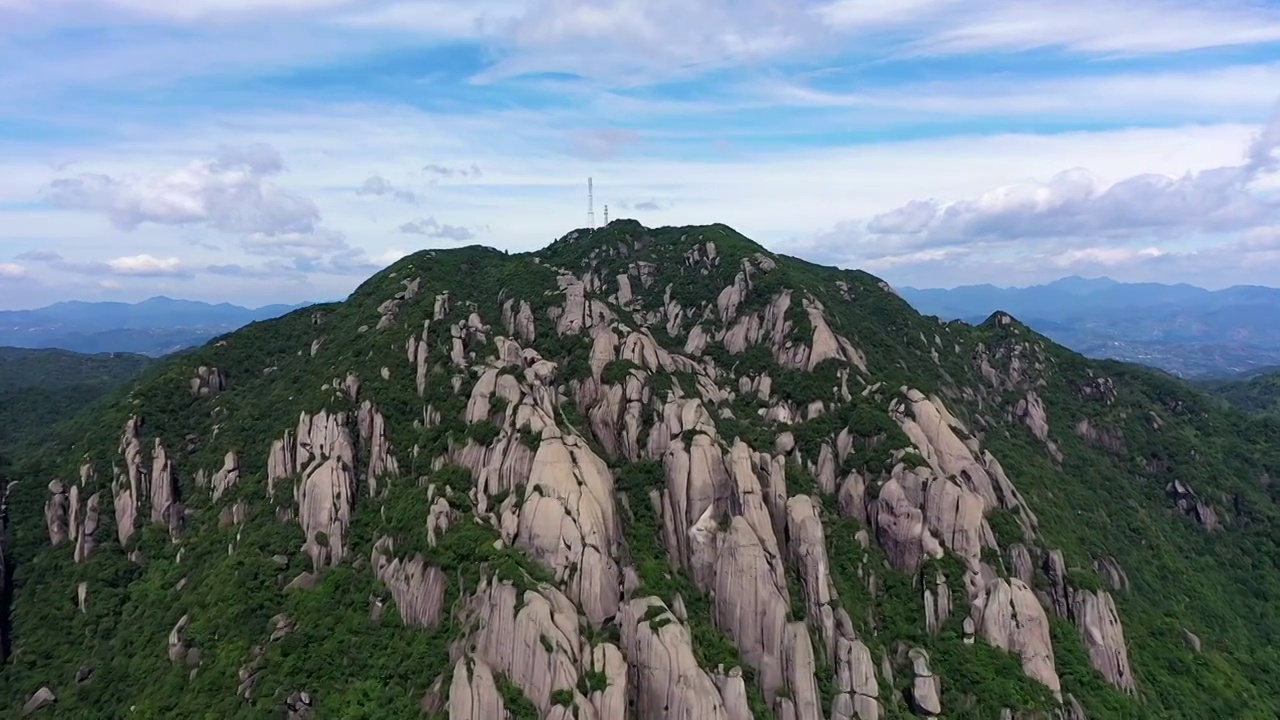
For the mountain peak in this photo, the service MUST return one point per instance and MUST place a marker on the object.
(641, 473)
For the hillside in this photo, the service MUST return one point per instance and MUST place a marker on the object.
(40, 388)
(1255, 393)
(1186, 330)
(644, 474)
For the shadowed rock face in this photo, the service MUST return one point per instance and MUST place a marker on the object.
(638, 475)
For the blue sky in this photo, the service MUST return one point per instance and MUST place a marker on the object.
(257, 151)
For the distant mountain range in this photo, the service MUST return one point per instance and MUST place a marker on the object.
(1183, 329)
(1186, 330)
(154, 327)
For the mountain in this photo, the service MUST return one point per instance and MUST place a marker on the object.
(1256, 392)
(1183, 329)
(157, 326)
(40, 388)
(643, 474)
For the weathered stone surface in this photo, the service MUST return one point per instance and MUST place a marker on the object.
(40, 699)
(669, 684)
(926, 690)
(208, 381)
(1010, 617)
(418, 588)
(1094, 613)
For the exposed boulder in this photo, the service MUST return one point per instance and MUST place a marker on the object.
(1010, 617)
(1186, 500)
(418, 588)
(42, 698)
(1094, 613)
(926, 689)
(208, 381)
(473, 694)
(568, 521)
(55, 513)
(669, 684)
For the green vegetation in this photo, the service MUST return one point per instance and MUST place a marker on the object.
(350, 649)
(40, 388)
(1257, 394)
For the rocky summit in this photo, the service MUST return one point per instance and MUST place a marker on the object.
(643, 474)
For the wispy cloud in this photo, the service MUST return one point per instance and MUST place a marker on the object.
(12, 270)
(436, 171)
(380, 186)
(145, 266)
(434, 229)
(142, 266)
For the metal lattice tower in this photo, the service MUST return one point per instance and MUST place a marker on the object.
(606, 214)
(591, 206)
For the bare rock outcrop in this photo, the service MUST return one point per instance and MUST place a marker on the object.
(1030, 411)
(934, 431)
(751, 602)
(177, 645)
(1095, 615)
(473, 693)
(1010, 617)
(926, 690)
(165, 508)
(1191, 505)
(901, 530)
(226, 477)
(83, 523)
(129, 484)
(55, 513)
(858, 691)
(324, 456)
(519, 321)
(669, 684)
(40, 699)
(569, 523)
(373, 438)
(531, 637)
(208, 381)
(417, 588)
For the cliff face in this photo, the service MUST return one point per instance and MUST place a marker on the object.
(639, 474)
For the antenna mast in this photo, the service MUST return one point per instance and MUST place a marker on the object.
(606, 214)
(591, 206)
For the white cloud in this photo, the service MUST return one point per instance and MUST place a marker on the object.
(1108, 256)
(530, 196)
(438, 18)
(145, 266)
(1093, 26)
(141, 265)
(1099, 26)
(230, 194)
(634, 41)
(432, 228)
(12, 271)
(380, 186)
(388, 257)
(1217, 92)
(436, 171)
(1075, 206)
